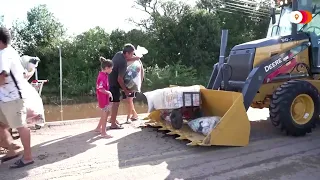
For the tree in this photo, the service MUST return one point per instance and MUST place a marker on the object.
(41, 30)
(39, 36)
(1, 20)
(183, 42)
(81, 63)
(246, 20)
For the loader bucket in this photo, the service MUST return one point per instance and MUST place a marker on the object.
(232, 130)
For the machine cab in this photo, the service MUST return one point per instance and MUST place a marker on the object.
(280, 25)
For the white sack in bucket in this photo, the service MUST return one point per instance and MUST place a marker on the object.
(35, 110)
(172, 97)
(204, 125)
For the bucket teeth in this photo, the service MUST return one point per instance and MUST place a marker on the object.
(183, 133)
(157, 124)
(171, 133)
(192, 143)
(181, 138)
(162, 129)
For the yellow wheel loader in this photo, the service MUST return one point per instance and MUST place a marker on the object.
(280, 72)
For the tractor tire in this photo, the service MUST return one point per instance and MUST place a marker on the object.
(294, 107)
(176, 119)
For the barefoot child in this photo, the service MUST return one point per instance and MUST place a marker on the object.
(103, 95)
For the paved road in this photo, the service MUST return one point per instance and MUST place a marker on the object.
(71, 151)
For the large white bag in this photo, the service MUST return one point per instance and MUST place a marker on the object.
(35, 110)
(140, 51)
(29, 63)
(132, 78)
(172, 97)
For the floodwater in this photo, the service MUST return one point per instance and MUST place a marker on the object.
(84, 110)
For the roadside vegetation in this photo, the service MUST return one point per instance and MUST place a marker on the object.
(183, 42)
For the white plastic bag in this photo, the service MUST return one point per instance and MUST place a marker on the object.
(29, 63)
(35, 110)
(132, 78)
(140, 51)
(204, 125)
(172, 97)
(152, 97)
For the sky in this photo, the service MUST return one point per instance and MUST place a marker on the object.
(79, 16)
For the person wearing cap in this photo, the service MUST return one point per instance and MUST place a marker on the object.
(116, 82)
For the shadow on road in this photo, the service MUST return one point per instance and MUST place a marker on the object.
(59, 148)
(153, 147)
(146, 147)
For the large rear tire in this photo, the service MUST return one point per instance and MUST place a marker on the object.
(295, 107)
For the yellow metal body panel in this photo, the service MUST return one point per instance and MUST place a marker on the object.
(234, 127)
(264, 53)
(261, 99)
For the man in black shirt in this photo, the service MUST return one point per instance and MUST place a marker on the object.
(116, 82)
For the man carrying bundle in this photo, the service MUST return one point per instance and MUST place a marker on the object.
(116, 80)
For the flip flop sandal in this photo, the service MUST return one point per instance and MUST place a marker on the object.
(116, 127)
(127, 122)
(5, 159)
(20, 164)
(110, 121)
(134, 119)
(3, 150)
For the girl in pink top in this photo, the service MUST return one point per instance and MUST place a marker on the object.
(104, 95)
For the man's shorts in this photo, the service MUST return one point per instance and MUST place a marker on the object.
(117, 94)
(107, 108)
(115, 91)
(13, 113)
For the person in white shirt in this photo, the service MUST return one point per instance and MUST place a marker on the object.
(13, 91)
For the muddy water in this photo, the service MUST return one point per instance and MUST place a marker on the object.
(84, 110)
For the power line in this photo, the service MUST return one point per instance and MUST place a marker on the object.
(241, 5)
(248, 14)
(245, 10)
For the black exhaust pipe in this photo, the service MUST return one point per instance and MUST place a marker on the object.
(216, 78)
